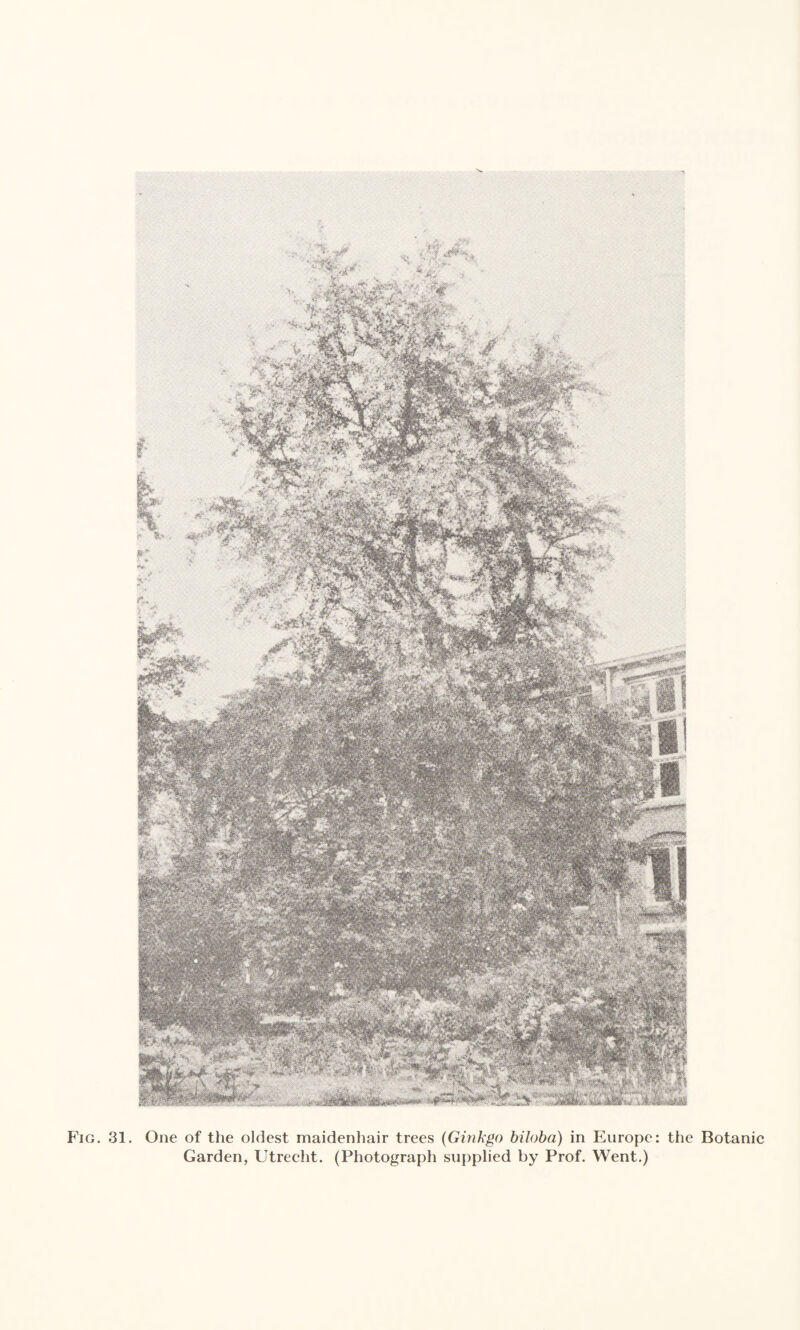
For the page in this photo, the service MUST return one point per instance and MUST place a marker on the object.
(382, 956)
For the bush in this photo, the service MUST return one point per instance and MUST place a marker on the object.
(168, 1057)
(584, 1003)
(358, 1016)
(234, 1068)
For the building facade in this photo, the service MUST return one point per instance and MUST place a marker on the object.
(653, 687)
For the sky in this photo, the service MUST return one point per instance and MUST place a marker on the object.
(596, 258)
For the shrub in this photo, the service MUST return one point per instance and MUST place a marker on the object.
(359, 1016)
(234, 1068)
(168, 1057)
(582, 1002)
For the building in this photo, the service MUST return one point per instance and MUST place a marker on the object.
(653, 686)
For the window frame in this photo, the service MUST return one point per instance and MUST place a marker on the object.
(672, 846)
(652, 719)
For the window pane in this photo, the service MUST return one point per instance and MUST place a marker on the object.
(662, 878)
(640, 699)
(670, 779)
(683, 691)
(667, 736)
(645, 741)
(665, 695)
(682, 872)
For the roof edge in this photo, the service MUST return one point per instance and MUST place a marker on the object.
(641, 657)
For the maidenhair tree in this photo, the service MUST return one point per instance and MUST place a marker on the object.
(420, 787)
(411, 496)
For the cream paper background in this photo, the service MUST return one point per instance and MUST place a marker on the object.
(129, 1237)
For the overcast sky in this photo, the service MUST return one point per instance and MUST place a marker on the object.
(594, 257)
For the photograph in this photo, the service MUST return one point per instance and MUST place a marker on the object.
(411, 638)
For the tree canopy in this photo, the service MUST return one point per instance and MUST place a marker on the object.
(415, 786)
(411, 496)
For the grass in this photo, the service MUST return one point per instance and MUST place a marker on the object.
(337, 1091)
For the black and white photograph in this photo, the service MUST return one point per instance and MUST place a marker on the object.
(411, 647)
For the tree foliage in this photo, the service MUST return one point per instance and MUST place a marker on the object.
(420, 787)
(410, 495)
(163, 666)
(383, 838)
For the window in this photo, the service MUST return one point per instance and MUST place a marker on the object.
(658, 705)
(665, 874)
(662, 875)
(667, 736)
(665, 695)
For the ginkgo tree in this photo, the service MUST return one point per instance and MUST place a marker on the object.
(411, 495)
(417, 786)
